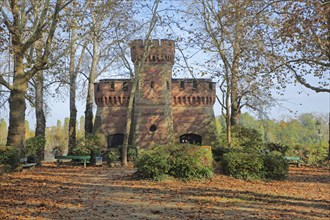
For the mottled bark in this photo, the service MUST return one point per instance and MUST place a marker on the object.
(228, 115)
(73, 109)
(129, 121)
(235, 100)
(235, 105)
(90, 92)
(89, 126)
(17, 106)
(72, 104)
(39, 110)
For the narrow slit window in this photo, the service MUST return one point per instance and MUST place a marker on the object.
(182, 85)
(124, 86)
(112, 86)
(210, 86)
(167, 85)
(195, 84)
(152, 84)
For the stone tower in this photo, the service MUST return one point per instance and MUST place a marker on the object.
(153, 122)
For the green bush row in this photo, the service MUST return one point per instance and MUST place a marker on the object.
(244, 165)
(184, 162)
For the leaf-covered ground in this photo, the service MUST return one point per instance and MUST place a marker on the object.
(72, 192)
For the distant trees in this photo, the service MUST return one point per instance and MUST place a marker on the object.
(300, 134)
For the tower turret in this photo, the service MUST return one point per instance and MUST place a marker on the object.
(153, 120)
(159, 52)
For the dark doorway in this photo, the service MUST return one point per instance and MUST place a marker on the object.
(191, 139)
(115, 140)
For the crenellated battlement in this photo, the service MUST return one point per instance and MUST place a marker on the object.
(112, 92)
(193, 92)
(159, 52)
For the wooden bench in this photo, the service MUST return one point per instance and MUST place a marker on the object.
(84, 159)
(25, 164)
(293, 160)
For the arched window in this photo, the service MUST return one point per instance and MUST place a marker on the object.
(115, 140)
(191, 139)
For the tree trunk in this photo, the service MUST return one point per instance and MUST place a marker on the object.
(234, 99)
(228, 117)
(40, 114)
(129, 120)
(17, 107)
(73, 77)
(73, 109)
(90, 93)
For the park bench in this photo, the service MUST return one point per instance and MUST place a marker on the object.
(293, 160)
(83, 159)
(25, 164)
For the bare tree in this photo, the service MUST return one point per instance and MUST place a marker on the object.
(238, 38)
(107, 20)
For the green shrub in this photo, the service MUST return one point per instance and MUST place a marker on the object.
(247, 165)
(34, 149)
(152, 165)
(8, 158)
(242, 138)
(218, 152)
(112, 155)
(191, 162)
(242, 165)
(248, 138)
(180, 161)
(283, 149)
(87, 146)
(132, 153)
(275, 167)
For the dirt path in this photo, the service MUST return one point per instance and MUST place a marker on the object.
(71, 192)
